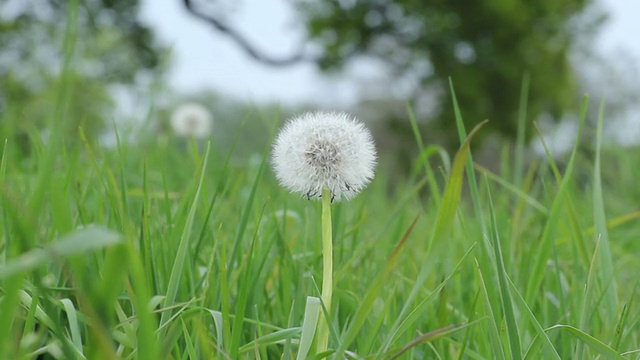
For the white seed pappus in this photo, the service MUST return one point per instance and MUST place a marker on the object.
(324, 150)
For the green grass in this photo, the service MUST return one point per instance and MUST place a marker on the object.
(171, 249)
(180, 250)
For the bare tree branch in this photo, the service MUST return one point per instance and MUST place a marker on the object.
(249, 48)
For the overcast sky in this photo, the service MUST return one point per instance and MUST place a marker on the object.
(204, 58)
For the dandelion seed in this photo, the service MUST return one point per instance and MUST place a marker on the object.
(318, 151)
(192, 120)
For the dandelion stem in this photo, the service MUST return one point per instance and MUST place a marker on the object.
(327, 269)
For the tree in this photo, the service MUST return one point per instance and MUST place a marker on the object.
(485, 47)
(112, 48)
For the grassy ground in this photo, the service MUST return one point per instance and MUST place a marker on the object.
(178, 250)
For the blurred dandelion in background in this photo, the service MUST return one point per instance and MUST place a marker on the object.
(192, 120)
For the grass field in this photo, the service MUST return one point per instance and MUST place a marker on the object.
(179, 250)
(172, 249)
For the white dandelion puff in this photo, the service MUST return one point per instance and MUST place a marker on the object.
(191, 120)
(321, 150)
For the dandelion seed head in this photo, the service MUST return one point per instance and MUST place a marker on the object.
(324, 150)
(191, 120)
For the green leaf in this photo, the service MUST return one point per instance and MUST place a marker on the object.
(600, 222)
(79, 242)
(183, 247)
(275, 337)
(505, 295)
(74, 325)
(595, 344)
(309, 325)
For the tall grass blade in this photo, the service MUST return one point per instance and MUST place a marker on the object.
(473, 185)
(429, 337)
(433, 184)
(600, 222)
(217, 323)
(367, 302)
(518, 167)
(492, 319)
(453, 188)
(549, 350)
(624, 317)
(74, 326)
(444, 219)
(595, 344)
(544, 249)
(521, 194)
(275, 337)
(181, 254)
(587, 299)
(505, 295)
(422, 306)
(309, 325)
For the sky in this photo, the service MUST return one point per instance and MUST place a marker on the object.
(205, 59)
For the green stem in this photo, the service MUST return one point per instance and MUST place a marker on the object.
(327, 270)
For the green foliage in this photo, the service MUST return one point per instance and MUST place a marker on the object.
(485, 46)
(110, 47)
(196, 256)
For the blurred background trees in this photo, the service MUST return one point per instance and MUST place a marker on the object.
(113, 48)
(485, 47)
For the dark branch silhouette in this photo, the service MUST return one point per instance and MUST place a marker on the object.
(251, 50)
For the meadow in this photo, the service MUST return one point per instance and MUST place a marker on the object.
(177, 249)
